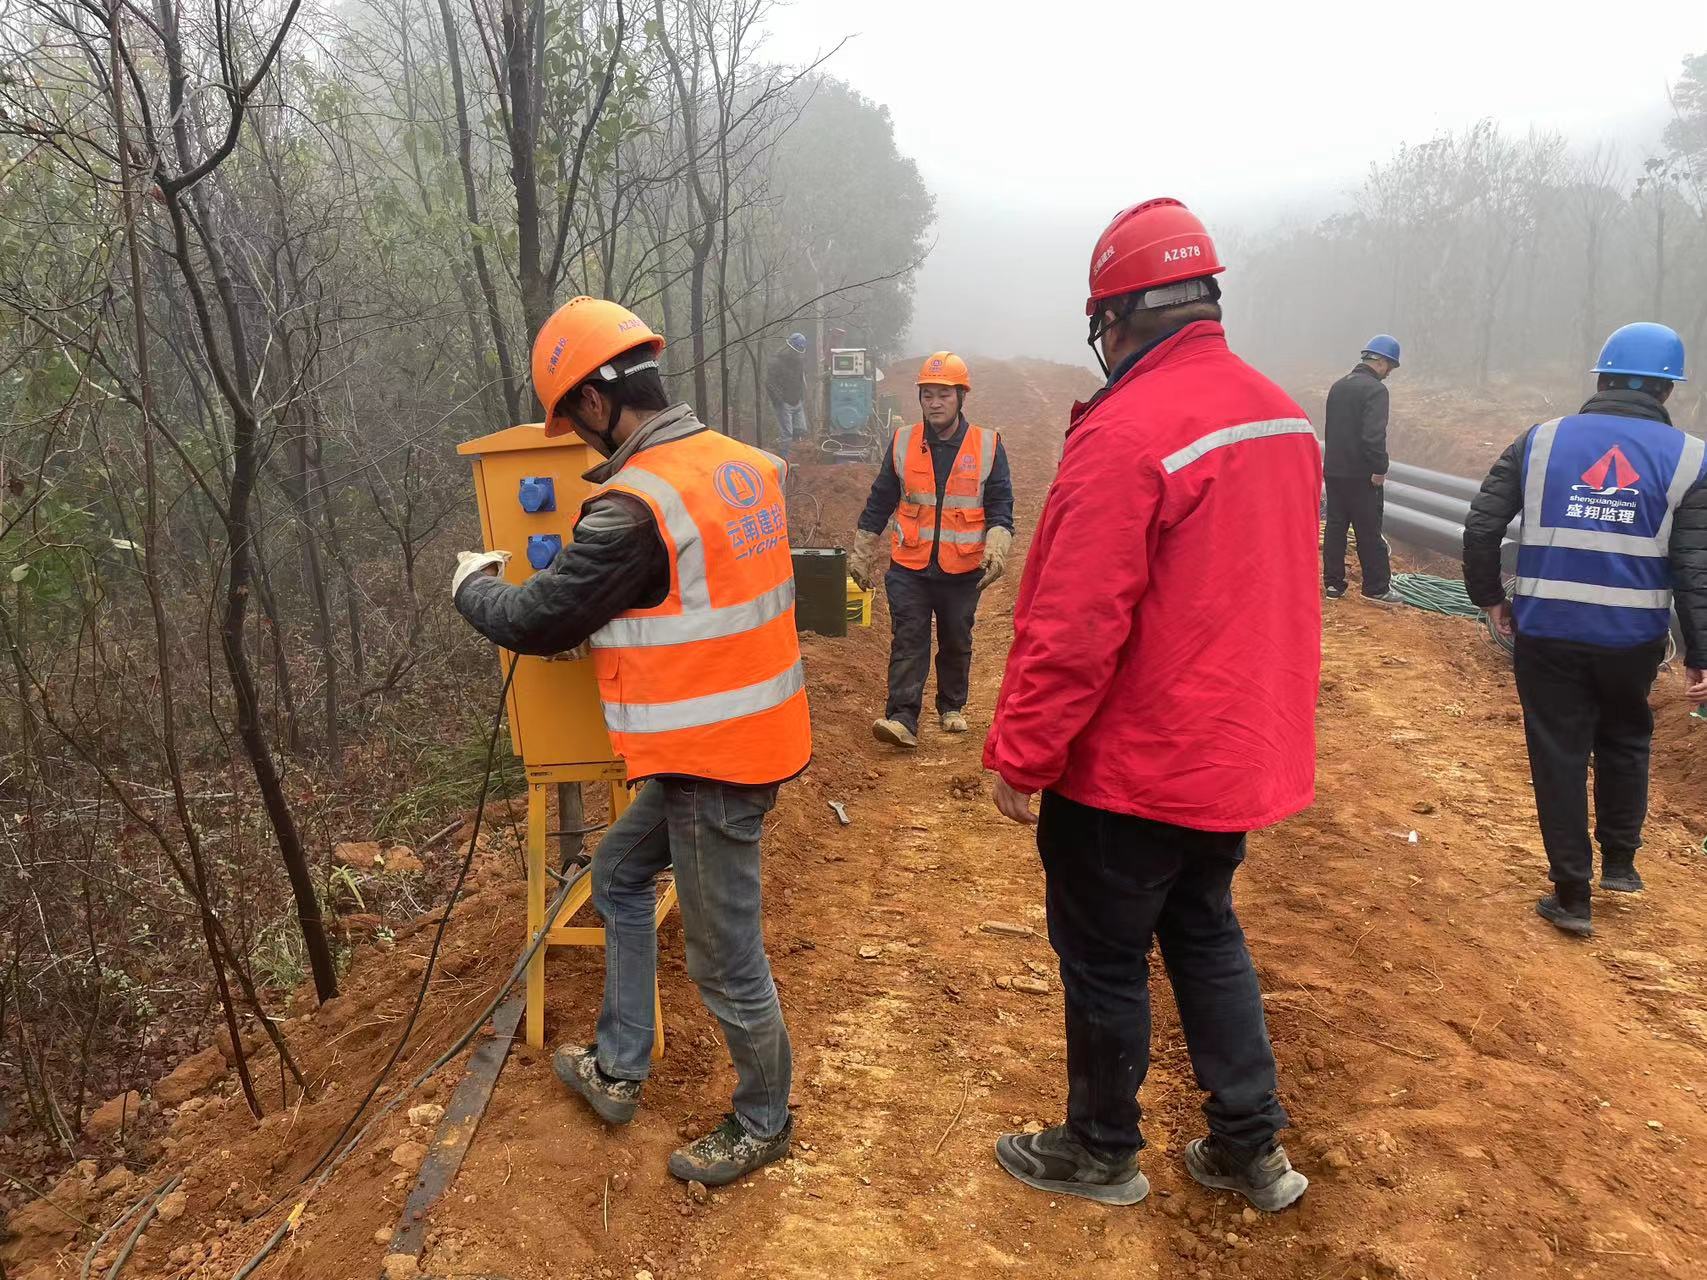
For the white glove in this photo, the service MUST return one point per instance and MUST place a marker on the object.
(469, 563)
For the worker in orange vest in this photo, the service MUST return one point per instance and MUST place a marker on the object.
(679, 578)
(944, 493)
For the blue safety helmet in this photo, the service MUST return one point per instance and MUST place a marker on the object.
(1384, 345)
(1643, 350)
(798, 342)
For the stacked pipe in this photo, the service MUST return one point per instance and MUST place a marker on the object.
(1428, 509)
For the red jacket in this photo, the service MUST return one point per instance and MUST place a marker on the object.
(1168, 636)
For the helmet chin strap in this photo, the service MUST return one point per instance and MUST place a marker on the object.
(1163, 296)
(605, 435)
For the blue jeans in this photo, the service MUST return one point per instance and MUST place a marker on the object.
(1112, 884)
(709, 832)
(790, 422)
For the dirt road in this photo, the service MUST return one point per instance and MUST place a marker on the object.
(1473, 1094)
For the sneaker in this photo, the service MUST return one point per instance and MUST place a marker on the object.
(894, 733)
(1057, 1162)
(1334, 593)
(1388, 596)
(954, 722)
(1621, 877)
(728, 1152)
(1567, 913)
(613, 1100)
(1266, 1178)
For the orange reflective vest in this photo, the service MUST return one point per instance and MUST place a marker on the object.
(709, 684)
(957, 529)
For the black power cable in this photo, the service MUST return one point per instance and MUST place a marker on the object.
(339, 1148)
(438, 934)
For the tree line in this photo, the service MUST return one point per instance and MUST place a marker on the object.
(1493, 253)
(261, 267)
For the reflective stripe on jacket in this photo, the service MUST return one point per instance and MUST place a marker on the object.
(957, 528)
(709, 683)
(1167, 635)
(1599, 495)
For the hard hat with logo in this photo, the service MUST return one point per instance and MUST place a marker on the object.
(1643, 350)
(1155, 243)
(1384, 345)
(944, 369)
(579, 342)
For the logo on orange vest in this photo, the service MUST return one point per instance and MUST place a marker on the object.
(1612, 474)
(739, 484)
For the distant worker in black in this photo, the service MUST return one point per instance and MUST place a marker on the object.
(1614, 532)
(1355, 467)
(785, 387)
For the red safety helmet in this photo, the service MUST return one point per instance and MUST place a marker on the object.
(1154, 243)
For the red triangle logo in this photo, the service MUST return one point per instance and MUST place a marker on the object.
(1615, 465)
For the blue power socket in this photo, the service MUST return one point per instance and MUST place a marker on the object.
(543, 549)
(537, 494)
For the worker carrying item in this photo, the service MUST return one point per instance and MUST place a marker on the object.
(1614, 505)
(690, 619)
(944, 493)
(785, 387)
(1355, 463)
(1161, 694)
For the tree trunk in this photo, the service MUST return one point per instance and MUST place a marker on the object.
(471, 206)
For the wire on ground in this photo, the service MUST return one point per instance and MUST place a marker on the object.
(1445, 596)
(338, 1150)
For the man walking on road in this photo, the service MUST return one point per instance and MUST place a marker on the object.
(785, 387)
(1614, 505)
(1161, 694)
(691, 627)
(1355, 462)
(944, 492)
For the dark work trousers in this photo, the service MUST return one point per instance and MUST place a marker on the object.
(1581, 702)
(1113, 882)
(915, 596)
(1355, 504)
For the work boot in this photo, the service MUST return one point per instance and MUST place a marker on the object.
(894, 733)
(954, 722)
(1334, 593)
(1568, 909)
(1263, 1175)
(1388, 597)
(1057, 1162)
(613, 1100)
(728, 1152)
(1620, 875)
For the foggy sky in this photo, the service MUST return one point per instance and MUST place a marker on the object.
(1034, 123)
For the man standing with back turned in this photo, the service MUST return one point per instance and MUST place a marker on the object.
(1355, 461)
(785, 386)
(1161, 693)
(691, 625)
(1614, 503)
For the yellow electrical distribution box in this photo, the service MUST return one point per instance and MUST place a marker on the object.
(530, 492)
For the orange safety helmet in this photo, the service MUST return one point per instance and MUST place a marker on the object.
(578, 342)
(945, 369)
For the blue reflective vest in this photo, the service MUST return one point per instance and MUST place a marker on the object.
(1599, 490)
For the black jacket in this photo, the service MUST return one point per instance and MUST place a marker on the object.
(616, 561)
(886, 489)
(1501, 499)
(1354, 427)
(785, 377)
